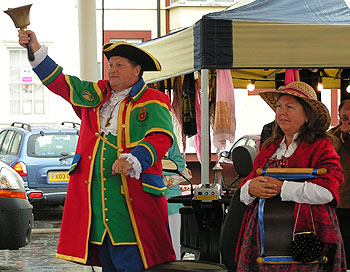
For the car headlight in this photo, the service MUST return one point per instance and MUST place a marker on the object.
(10, 180)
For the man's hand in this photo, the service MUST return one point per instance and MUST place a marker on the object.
(25, 37)
(121, 166)
(264, 187)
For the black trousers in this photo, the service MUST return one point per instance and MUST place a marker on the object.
(344, 224)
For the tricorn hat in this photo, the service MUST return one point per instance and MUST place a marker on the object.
(305, 92)
(129, 51)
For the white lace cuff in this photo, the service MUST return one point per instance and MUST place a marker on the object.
(136, 169)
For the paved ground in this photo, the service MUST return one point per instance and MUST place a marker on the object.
(39, 255)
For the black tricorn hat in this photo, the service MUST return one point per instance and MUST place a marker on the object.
(129, 51)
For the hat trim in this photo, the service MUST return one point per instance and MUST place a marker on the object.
(113, 45)
(298, 92)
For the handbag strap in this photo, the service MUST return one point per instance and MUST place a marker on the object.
(296, 219)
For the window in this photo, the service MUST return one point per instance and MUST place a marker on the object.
(27, 94)
(52, 145)
(16, 144)
(7, 141)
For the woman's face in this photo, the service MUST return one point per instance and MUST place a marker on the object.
(290, 115)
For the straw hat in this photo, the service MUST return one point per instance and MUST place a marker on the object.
(129, 51)
(307, 93)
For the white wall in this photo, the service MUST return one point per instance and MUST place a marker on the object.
(56, 24)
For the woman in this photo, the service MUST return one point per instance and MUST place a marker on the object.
(299, 140)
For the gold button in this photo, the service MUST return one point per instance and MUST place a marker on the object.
(105, 198)
(97, 134)
(123, 125)
(104, 149)
(103, 169)
(86, 182)
(162, 194)
(104, 189)
(103, 159)
(90, 158)
(131, 199)
(106, 209)
(94, 110)
(104, 179)
(106, 219)
(120, 149)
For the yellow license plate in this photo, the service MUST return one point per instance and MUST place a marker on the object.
(58, 176)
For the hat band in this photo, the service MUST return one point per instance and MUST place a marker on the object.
(298, 92)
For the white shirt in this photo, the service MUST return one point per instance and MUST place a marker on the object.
(300, 192)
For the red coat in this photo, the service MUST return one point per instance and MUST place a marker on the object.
(320, 154)
(144, 197)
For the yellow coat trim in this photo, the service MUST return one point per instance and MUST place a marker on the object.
(50, 75)
(70, 258)
(150, 152)
(153, 187)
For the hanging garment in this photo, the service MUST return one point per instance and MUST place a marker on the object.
(225, 120)
(188, 109)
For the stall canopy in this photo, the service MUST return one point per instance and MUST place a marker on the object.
(257, 39)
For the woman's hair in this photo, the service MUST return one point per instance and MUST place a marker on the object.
(310, 130)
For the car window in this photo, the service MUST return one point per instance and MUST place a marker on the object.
(15, 144)
(2, 137)
(7, 141)
(52, 145)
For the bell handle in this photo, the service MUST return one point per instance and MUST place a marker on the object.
(30, 52)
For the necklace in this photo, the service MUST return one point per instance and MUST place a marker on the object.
(110, 115)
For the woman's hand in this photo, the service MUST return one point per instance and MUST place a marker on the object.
(121, 166)
(264, 187)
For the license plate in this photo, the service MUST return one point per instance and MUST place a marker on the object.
(58, 176)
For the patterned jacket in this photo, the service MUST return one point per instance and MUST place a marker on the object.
(145, 130)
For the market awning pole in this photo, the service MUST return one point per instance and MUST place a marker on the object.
(205, 126)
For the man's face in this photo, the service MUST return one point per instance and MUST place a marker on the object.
(122, 74)
(344, 115)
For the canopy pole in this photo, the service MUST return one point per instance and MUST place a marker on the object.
(205, 126)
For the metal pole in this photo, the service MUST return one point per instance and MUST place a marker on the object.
(158, 18)
(205, 126)
(87, 39)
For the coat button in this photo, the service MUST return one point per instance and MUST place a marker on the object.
(106, 209)
(90, 158)
(104, 189)
(104, 179)
(86, 182)
(120, 149)
(106, 219)
(103, 169)
(97, 134)
(131, 199)
(105, 199)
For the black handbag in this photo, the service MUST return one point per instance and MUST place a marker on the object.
(305, 247)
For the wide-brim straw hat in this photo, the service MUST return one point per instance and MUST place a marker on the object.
(307, 93)
(129, 51)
